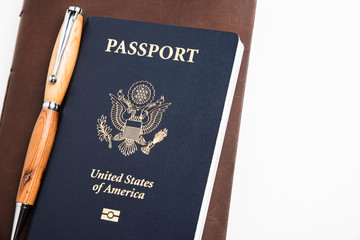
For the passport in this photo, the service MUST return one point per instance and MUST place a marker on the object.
(140, 134)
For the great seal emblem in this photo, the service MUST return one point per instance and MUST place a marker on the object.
(134, 116)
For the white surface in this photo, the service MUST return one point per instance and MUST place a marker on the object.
(298, 169)
(9, 21)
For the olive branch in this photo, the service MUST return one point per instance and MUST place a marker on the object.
(104, 130)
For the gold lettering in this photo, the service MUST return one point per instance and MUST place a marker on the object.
(179, 54)
(115, 191)
(93, 171)
(142, 49)
(132, 180)
(133, 48)
(101, 175)
(106, 175)
(141, 196)
(192, 51)
(150, 49)
(128, 179)
(161, 53)
(108, 189)
(121, 47)
(137, 182)
(127, 192)
(146, 184)
(132, 192)
(111, 43)
(153, 49)
(119, 178)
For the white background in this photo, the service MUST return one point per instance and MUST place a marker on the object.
(298, 169)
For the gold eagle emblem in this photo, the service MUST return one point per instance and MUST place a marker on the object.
(134, 116)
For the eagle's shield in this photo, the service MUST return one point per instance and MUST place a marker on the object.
(132, 130)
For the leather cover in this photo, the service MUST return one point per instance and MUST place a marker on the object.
(37, 33)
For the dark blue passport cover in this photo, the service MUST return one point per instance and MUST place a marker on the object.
(139, 137)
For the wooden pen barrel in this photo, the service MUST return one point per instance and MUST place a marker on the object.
(55, 92)
(37, 155)
(43, 135)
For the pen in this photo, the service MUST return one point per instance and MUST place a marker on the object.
(61, 67)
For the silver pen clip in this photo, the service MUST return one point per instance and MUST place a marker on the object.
(70, 17)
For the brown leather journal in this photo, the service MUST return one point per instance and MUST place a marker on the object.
(39, 25)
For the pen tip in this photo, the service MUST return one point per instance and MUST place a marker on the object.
(21, 213)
